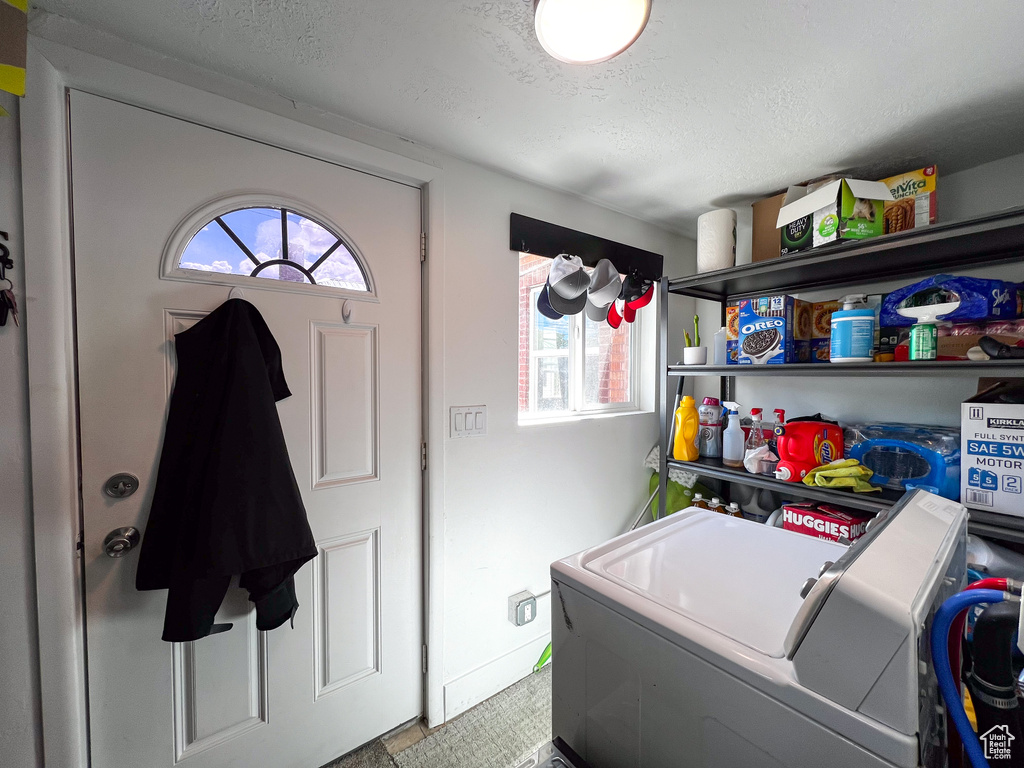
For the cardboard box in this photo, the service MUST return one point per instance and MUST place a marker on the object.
(875, 302)
(845, 209)
(732, 352)
(774, 330)
(889, 338)
(821, 318)
(952, 347)
(913, 203)
(821, 350)
(992, 450)
(766, 238)
(824, 521)
(732, 321)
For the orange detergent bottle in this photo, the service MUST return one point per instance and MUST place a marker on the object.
(687, 431)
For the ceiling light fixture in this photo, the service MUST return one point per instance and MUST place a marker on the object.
(589, 31)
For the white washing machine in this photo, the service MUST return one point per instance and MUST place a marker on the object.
(704, 641)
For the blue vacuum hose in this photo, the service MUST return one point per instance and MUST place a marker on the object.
(948, 687)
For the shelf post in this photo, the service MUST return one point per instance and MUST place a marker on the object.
(663, 400)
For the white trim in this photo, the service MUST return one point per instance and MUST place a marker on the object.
(206, 213)
(52, 432)
(479, 684)
(53, 68)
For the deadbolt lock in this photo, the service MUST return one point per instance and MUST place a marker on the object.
(121, 485)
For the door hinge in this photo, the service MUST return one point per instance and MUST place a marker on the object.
(423, 658)
(80, 542)
(423, 246)
(423, 457)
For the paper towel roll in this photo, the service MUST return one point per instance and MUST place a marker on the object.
(716, 240)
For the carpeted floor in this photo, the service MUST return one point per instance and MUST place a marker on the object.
(498, 733)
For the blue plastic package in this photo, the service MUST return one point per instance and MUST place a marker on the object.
(980, 299)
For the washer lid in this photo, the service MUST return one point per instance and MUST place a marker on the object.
(739, 578)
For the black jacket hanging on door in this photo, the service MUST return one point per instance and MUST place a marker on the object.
(226, 500)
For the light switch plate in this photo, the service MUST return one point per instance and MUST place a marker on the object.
(467, 420)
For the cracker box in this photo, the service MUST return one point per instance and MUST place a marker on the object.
(992, 450)
(824, 521)
(774, 330)
(913, 203)
(845, 209)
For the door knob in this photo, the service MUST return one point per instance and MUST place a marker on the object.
(120, 540)
(121, 485)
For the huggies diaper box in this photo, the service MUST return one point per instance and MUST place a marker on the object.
(992, 450)
(774, 330)
(824, 521)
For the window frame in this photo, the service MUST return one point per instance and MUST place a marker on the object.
(578, 408)
(208, 212)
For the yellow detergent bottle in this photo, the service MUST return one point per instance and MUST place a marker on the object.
(687, 430)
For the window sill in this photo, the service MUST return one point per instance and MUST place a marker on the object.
(565, 418)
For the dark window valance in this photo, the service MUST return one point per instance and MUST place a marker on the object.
(538, 237)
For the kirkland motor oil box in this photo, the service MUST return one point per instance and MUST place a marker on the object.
(992, 450)
(774, 330)
(845, 209)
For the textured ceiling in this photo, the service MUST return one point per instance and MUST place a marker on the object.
(716, 103)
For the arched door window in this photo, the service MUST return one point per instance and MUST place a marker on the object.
(275, 242)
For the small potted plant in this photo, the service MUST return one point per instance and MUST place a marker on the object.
(694, 354)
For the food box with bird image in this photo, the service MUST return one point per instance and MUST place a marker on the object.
(844, 209)
(774, 330)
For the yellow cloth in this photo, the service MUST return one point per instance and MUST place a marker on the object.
(844, 473)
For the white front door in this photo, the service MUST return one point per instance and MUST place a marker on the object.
(350, 669)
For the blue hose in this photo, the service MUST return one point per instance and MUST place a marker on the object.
(948, 687)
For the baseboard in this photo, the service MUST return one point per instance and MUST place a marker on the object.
(483, 682)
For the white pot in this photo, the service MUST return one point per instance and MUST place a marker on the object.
(695, 355)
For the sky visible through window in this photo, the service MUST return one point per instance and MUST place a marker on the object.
(213, 250)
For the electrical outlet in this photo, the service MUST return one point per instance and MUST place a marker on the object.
(522, 608)
(467, 420)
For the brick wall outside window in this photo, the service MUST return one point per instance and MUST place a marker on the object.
(608, 372)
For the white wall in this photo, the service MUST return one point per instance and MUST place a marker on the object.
(522, 496)
(20, 733)
(974, 192)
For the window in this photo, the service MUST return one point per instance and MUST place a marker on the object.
(573, 365)
(232, 243)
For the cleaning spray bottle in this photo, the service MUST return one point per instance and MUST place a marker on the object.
(732, 438)
(687, 428)
(756, 448)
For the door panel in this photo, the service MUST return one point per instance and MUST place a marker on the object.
(350, 669)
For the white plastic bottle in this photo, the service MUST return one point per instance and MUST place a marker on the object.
(732, 438)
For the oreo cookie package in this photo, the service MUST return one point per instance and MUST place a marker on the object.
(774, 330)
